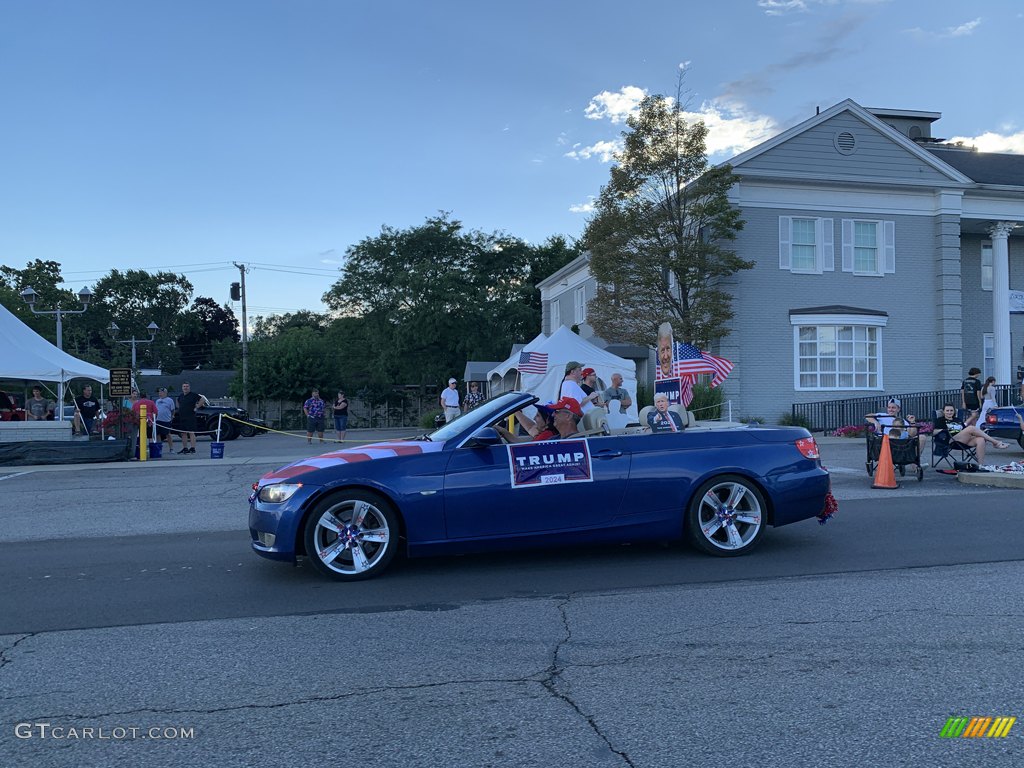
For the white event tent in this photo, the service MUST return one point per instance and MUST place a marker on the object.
(561, 347)
(24, 354)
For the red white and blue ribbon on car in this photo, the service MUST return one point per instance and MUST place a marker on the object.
(350, 456)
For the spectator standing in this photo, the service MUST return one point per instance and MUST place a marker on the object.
(86, 408)
(36, 406)
(188, 401)
(450, 401)
(988, 398)
(589, 386)
(164, 416)
(571, 386)
(616, 392)
(314, 409)
(137, 402)
(340, 415)
(970, 391)
(475, 397)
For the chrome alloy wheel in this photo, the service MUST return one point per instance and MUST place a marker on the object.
(351, 537)
(730, 515)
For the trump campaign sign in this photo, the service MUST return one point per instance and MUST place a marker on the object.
(538, 464)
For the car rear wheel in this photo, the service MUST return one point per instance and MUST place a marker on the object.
(351, 535)
(247, 430)
(726, 516)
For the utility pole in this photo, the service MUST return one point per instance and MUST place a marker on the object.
(245, 342)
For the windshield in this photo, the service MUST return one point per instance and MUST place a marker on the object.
(487, 413)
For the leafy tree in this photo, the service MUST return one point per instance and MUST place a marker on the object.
(205, 324)
(266, 327)
(44, 277)
(430, 297)
(135, 298)
(287, 366)
(658, 237)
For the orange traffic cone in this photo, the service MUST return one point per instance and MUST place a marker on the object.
(885, 476)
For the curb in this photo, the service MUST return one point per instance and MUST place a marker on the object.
(991, 479)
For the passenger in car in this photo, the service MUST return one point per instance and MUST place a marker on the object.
(566, 415)
(662, 419)
(539, 428)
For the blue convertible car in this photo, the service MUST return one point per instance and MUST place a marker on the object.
(463, 489)
(1005, 423)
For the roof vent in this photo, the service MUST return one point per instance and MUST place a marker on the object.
(914, 132)
(845, 142)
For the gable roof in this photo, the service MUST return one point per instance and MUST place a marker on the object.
(955, 176)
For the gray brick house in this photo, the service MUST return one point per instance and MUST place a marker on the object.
(885, 261)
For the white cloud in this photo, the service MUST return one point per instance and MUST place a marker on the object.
(731, 130)
(615, 106)
(587, 207)
(990, 141)
(605, 150)
(962, 30)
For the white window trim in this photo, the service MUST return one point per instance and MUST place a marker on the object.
(987, 245)
(556, 315)
(798, 321)
(579, 301)
(885, 243)
(824, 245)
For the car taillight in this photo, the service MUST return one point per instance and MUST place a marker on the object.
(991, 419)
(808, 448)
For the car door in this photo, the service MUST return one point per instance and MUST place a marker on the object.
(482, 499)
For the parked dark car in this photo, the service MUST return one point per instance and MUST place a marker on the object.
(207, 417)
(1004, 424)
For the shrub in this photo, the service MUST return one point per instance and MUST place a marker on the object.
(427, 419)
(752, 420)
(706, 403)
(789, 420)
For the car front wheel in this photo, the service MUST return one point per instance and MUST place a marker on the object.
(351, 535)
(726, 516)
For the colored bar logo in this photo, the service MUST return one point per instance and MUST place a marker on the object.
(977, 727)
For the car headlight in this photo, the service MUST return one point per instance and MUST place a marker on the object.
(278, 492)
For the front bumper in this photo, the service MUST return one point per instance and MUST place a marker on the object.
(274, 528)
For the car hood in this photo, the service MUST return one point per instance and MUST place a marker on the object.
(370, 452)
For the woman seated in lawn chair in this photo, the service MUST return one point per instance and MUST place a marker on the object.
(954, 432)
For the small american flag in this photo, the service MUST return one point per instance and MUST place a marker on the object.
(533, 362)
(689, 360)
(686, 390)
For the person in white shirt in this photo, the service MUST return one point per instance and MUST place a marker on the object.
(450, 401)
(571, 386)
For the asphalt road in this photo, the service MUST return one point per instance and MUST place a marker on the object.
(130, 600)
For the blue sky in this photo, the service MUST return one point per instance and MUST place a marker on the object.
(185, 135)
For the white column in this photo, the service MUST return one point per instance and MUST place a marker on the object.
(1001, 299)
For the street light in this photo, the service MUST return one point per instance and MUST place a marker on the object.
(30, 296)
(152, 328)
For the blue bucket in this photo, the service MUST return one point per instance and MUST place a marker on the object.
(216, 450)
(156, 450)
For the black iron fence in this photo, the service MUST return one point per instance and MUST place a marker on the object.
(833, 414)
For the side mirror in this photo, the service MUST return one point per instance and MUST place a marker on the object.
(485, 438)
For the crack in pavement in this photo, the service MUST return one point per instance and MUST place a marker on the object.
(553, 675)
(4, 661)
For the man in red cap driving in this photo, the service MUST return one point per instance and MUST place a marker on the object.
(566, 415)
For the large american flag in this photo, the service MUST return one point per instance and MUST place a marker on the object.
(533, 362)
(688, 361)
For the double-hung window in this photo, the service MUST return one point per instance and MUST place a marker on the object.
(580, 305)
(986, 266)
(869, 247)
(556, 314)
(806, 245)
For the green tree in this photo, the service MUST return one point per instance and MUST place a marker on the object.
(205, 324)
(430, 297)
(135, 298)
(658, 239)
(44, 277)
(287, 366)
